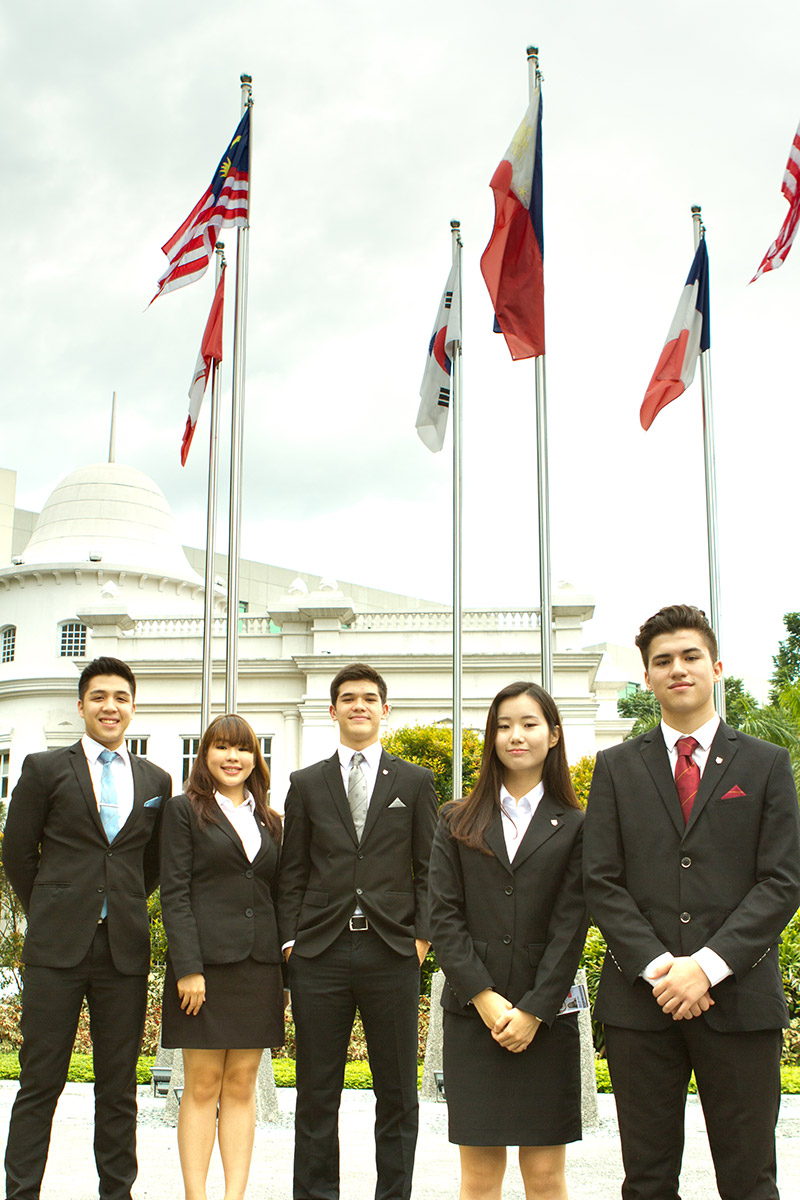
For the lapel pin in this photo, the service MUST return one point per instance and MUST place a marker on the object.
(385, 771)
(719, 760)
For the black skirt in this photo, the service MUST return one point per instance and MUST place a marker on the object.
(243, 1009)
(496, 1098)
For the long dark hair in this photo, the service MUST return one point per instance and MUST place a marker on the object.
(470, 818)
(200, 786)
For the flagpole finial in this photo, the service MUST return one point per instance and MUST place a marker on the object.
(455, 224)
(532, 51)
(698, 224)
(696, 208)
(244, 79)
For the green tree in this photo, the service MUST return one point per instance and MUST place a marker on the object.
(432, 746)
(787, 660)
(581, 773)
(643, 707)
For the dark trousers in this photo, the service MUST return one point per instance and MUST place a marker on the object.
(738, 1081)
(357, 971)
(51, 1004)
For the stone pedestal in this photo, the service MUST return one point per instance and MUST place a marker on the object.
(433, 1042)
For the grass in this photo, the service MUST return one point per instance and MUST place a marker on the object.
(356, 1074)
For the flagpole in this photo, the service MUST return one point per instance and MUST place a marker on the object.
(455, 231)
(211, 525)
(237, 429)
(711, 481)
(545, 602)
(112, 437)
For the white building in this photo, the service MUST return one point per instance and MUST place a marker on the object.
(101, 570)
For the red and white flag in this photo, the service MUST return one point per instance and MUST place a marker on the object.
(222, 204)
(210, 350)
(776, 255)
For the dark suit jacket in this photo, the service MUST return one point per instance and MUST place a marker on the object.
(59, 862)
(516, 927)
(729, 879)
(325, 872)
(218, 907)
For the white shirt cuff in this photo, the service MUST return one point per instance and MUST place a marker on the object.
(714, 967)
(647, 973)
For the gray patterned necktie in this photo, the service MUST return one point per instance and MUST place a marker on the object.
(357, 793)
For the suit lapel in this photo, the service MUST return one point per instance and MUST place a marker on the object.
(656, 759)
(332, 774)
(83, 775)
(545, 822)
(723, 750)
(384, 783)
(495, 840)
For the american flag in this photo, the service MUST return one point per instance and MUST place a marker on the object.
(223, 203)
(776, 255)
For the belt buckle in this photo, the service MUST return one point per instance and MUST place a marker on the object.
(359, 923)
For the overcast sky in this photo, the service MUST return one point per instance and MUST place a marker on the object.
(374, 124)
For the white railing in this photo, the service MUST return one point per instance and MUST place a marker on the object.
(478, 619)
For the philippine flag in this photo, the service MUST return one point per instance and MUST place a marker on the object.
(689, 335)
(436, 380)
(513, 262)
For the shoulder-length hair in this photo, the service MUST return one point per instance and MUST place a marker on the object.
(469, 818)
(200, 786)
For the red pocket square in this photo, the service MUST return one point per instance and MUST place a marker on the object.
(733, 793)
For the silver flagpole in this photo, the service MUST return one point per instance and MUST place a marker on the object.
(112, 437)
(711, 480)
(211, 525)
(455, 230)
(546, 607)
(237, 429)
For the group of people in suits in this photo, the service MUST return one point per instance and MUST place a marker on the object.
(688, 859)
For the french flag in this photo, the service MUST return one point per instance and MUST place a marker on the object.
(513, 262)
(689, 335)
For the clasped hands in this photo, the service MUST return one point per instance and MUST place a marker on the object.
(512, 1028)
(681, 987)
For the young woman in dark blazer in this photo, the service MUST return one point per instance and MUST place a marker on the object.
(223, 991)
(508, 923)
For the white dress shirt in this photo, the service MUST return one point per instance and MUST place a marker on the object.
(516, 815)
(369, 767)
(120, 772)
(243, 820)
(707, 959)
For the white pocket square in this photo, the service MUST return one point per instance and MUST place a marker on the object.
(397, 803)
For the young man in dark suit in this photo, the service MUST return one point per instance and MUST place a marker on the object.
(81, 850)
(692, 869)
(353, 920)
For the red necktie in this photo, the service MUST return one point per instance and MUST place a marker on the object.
(687, 775)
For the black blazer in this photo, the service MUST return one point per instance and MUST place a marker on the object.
(59, 862)
(218, 907)
(325, 872)
(729, 879)
(517, 927)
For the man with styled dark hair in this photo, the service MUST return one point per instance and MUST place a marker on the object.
(81, 851)
(692, 870)
(353, 920)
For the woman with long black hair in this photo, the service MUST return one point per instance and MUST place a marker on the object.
(508, 922)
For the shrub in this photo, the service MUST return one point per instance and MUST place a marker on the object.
(581, 773)
(432, 746)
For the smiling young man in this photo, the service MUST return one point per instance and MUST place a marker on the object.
(80, 849)
(692, 870)
(353, 919)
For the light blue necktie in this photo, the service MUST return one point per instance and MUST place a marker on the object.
(109, 809)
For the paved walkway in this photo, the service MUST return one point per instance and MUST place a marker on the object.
(594, 1170)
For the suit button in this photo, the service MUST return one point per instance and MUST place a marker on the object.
(248, 912)
(359, 891)
(101, 889)
(249, 874)
(686, 917)
(686, 862)
(507, 940)
(109, 853)
(509, 890)
(361, 854)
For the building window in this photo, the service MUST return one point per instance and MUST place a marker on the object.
(191, 749)
(265, 746)
(137, 745)
(5, 757)
(8, 643)
(73, 640)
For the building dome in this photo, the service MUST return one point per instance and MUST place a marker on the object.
(112, 515)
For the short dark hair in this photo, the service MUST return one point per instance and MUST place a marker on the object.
(670, 620)
(105, 666)
(351, 674)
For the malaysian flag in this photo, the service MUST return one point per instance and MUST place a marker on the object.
(437, 376)
(223, 203)
(776, 255)
(210, 351)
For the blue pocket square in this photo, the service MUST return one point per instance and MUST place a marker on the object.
(397, 803)
(154, 803)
